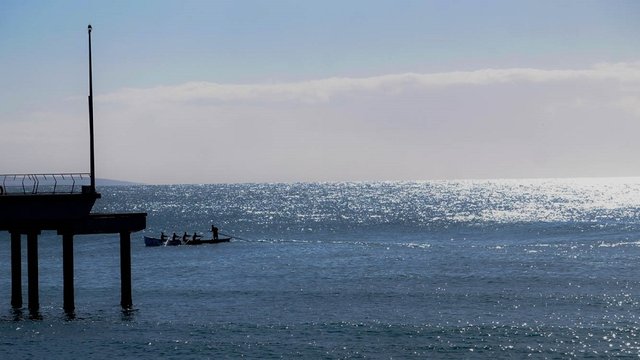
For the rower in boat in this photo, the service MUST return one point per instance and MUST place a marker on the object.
(163, 237)
(175, 237)
(196, 237)
(185, 238)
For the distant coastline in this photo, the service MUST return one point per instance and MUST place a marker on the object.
(112, 182)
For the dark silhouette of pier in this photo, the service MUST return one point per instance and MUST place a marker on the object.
(32, 203)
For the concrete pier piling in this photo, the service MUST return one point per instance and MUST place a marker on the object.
(68, 228)
(67, 272)
(125, 271)
(16, 270)
(32, 270)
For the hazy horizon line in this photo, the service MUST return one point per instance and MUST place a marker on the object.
(567, 178)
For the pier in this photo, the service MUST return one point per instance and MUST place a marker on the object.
(30, 212)
(32, 203)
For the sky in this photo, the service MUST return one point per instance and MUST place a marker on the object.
(296, 91)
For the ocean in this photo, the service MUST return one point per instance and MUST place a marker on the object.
(437, 269)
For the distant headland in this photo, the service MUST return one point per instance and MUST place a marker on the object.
(111, 182)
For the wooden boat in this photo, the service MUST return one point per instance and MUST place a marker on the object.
(151, 241)
(175, 242)
(208, 241)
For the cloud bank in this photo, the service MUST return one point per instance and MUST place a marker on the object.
(490, 123)
(326, 89)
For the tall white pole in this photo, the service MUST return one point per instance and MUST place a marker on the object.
(93, 165)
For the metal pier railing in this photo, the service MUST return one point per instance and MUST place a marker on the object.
(37, 184)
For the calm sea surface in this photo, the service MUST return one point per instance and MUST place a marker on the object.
(472, 269)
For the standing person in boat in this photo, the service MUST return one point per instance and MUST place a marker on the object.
(214, 230)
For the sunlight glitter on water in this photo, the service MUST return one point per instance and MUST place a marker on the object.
(495, 268)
